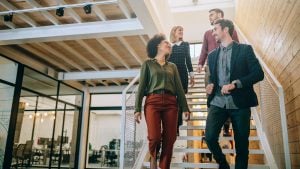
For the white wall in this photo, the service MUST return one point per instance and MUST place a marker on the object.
(104, 128)
(195, 23)
(163, 10)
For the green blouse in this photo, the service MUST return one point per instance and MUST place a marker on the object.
(154, 77)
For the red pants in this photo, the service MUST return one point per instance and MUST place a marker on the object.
(161, 109)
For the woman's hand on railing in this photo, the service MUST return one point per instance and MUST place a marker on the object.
(138, 117)
(187, 115)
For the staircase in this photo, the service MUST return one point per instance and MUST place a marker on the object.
(190, 151)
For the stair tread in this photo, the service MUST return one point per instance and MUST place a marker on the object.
(197, 103)
(225, 151)
(203, 127)
(251, 138)
(197, 89)
(198, 118)
(208, 165)
(198, 109)
(195, 96)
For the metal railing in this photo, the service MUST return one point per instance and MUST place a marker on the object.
(271, 115)
(133, 136)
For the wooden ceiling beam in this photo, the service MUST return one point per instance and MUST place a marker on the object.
(113, 52)
(45, 57)
(8, 24)
(143, 39)
(59, 55)
(77, 54)
(99, 13)
(130, 49)
(96, 54)
(116, 82)
(124, 9)
(102, 82)
(24, 17)
(46, 14)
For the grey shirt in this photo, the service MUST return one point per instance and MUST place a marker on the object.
(223, 69)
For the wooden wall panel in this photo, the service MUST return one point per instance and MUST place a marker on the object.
(273, 28)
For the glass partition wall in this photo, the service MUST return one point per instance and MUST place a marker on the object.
(8, 73)
(39, 119)
(46, 123)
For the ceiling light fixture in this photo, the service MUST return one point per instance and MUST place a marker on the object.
(60, 12)
(8, 17)
(88, 9)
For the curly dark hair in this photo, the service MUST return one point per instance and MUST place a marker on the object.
(153, 44)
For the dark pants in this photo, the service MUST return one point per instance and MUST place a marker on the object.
(161, 109)
(206, 77)
(240, 119)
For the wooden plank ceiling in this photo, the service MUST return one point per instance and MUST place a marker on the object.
(76, 55)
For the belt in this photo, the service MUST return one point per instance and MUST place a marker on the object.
(161, 91)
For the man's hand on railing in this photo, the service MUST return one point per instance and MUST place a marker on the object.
(138, 117)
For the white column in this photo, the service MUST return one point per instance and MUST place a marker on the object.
(84, 126)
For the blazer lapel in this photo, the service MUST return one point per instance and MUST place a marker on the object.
(234, 55)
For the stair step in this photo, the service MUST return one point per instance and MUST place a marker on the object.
(199, 80)
(207, 165)
(199, 85)
(203, 127)
(197, 90)
(197, 103)
(199, 138)
(205, 117)
(196, 73)
(198, 118)
(198, 110)
(196, 96)
(225, 151)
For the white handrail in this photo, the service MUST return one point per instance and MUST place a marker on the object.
(281, 103)
(263, 139)
(124, 98)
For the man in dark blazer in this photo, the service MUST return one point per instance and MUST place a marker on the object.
(234, 69)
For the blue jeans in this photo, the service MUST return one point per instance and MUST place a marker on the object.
(240, 119)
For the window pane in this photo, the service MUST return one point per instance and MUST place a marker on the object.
(8, 70)
(198, 49)
(70, 95)
(40, 83)
(192, 50)
(6, 98)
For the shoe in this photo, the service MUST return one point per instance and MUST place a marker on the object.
(224, 165)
